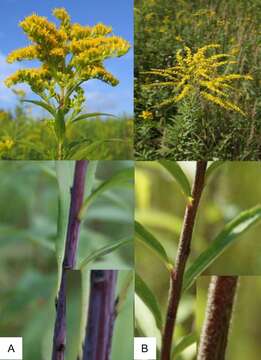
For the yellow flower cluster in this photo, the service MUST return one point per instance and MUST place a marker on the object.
(146, 115)
(6, 144)
(197, 73)
(70, 53)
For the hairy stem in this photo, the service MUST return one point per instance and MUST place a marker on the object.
(77, 197)
(101, 315)
(214, 336)
(176, 278)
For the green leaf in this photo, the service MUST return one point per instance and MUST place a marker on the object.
(104, 251)
(43, 105)
(149, 240)
(122, 177)
(226, 238)
(213, 166)
(90, 115)
(85, 152)
(184, 343)
(146, 295)
(65, 173)
(176, 171)
(59, 125)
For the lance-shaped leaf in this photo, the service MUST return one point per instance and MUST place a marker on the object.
(43, 105)
(178, 174)
(149, 240)
(149, 299)
(104, 251)
(183, 344)
(86, 151)
(120, 178)
(226, 238)
(212, 167)
(65, 171)
(91, 115)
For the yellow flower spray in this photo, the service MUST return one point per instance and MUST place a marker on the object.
(197, 73)
(70, 55)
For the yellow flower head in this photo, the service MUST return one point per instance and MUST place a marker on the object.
(146, 115)
(200, 74)
(70, 54)
(6, 144)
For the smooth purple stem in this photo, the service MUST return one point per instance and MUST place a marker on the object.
(101, 315)
(77, 197)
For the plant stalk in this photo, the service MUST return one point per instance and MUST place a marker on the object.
(177, 273)
(77, 197)
(101, 315)
(214, 336)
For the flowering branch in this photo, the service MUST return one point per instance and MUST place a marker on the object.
(101, 315)
(177, 272)
(77, 197)
(214, 336)
(70, 55)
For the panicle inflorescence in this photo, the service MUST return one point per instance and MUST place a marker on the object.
(200, 74)
(70, 53)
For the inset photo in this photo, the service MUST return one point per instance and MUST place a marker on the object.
(66, 83)
(197, 80)
(225, 329)
(59, 220)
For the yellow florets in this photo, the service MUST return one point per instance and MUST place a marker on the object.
(6, 144)
(70, 53)
(197, 73)
(146, 115)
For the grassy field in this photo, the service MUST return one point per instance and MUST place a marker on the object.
(194, 128)
(23, 137)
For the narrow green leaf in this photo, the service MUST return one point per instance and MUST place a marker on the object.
(59, 125)
(184, 343)
(212, 167)
(43, 105)
(104, 251)
(226, 238)
(91, 115)
(122, 177)
(146, 295)
(65, 172)
(125, 288)
(85, 152)
(176, 171)
(149, 240)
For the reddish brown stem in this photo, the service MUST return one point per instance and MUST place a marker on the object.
(176, 279)
(214, 336)
(101, 315)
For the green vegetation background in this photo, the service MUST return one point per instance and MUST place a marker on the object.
(34, 139)
(28, 270)
(161, 28)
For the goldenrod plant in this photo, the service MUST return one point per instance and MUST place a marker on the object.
(198, 74)
(70, 54)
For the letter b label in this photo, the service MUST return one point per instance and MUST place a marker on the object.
(144, 348)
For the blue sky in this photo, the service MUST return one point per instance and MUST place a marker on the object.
(116, 13)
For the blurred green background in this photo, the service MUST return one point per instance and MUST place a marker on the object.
(28, 220)
(160, 206)
(245, 330)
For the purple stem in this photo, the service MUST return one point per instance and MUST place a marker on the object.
(77, 197)
(101, 315)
